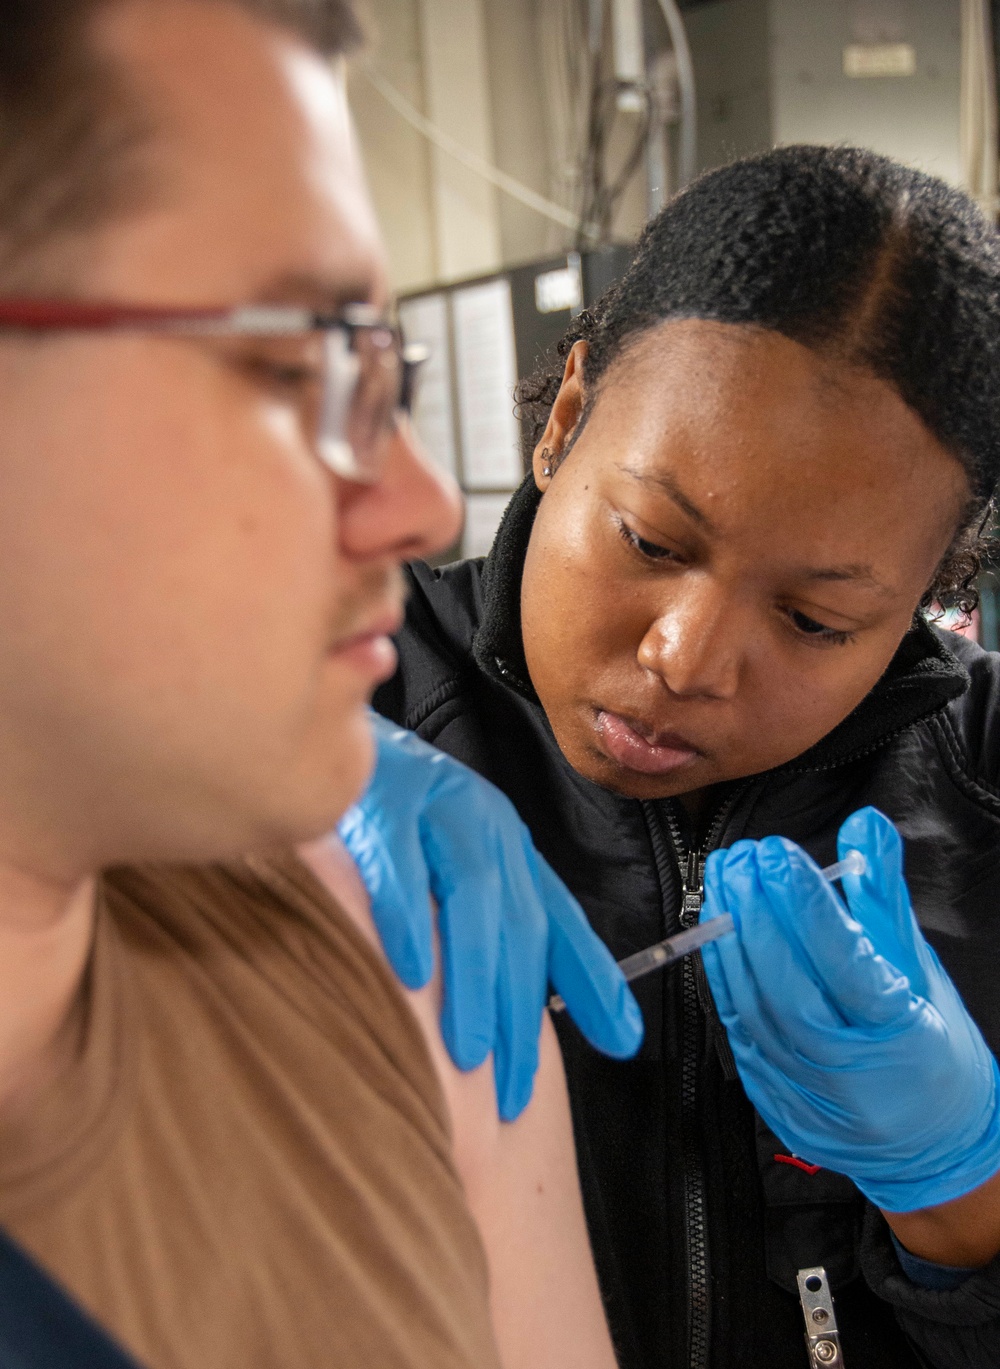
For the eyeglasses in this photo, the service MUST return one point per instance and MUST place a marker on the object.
(368, 376)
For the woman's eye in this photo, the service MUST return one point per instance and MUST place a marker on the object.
(650, 550)
(819, 632)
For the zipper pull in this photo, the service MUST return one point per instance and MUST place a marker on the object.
(693, 889)
(692, 898)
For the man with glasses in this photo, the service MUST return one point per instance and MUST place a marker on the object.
(221, 1128)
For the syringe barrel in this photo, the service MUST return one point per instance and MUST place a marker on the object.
(683, 943)
(643, 961)
(693, 938)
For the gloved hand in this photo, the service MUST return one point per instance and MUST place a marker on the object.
(851, 1041)
(429, 826)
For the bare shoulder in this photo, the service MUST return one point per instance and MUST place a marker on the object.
(469, 1096)
(520, 1180)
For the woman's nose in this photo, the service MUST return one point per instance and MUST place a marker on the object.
(413, 511)
(695, 646)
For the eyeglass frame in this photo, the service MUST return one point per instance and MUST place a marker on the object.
(342, 367)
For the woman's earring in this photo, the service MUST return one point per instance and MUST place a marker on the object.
(547, 460)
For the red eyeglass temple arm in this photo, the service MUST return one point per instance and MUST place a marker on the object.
(53, 314)
(40, 315)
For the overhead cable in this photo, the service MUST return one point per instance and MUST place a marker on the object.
(687, 160)
(508, 184)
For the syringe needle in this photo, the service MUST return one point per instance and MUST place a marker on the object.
(679, 945)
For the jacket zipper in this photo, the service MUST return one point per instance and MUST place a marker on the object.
(691, 867)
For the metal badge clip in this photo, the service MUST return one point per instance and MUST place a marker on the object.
(822, 1337)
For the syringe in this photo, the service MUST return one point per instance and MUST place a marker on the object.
(679, 945)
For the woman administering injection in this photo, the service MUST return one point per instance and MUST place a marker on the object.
(699, 628)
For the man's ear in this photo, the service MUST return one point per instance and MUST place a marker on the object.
(563, 418)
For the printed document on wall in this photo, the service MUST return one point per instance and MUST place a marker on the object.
(486, 368)
(425, 320)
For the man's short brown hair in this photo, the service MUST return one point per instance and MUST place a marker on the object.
(69, 125)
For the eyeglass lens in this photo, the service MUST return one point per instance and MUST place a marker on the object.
(363, 389)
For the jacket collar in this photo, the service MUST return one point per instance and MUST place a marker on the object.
(920, 680)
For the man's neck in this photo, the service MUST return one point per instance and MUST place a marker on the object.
(46, 930)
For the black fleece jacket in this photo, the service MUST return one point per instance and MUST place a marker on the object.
(698, 1220)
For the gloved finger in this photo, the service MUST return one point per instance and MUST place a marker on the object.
(515, 1063)
(522, 979)
(782, 1002)
(771, 988)
(401, 910)
(766, 1062)
(475, 895)
(714, 902)
(879, 899)
(763, 1070)
(522, 985)
(469, 921)
(717, 966)
(583, 971)
(725, 958)
(855, 980)
(510, 1103)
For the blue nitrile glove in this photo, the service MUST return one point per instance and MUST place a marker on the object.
(429, 826)
(851, 1041)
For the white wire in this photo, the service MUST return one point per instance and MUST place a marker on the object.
(508, 184)
(688, 151)
(566, 93)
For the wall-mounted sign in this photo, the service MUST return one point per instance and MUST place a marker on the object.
(486, 371)
(880, 59)
(424, 319)
(561, 289)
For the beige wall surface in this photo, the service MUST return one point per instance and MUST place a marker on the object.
(475, 69)
(729, 48)
(767, 71)
(913, 119)
(520, 134)
(771, 71)
(457, 100)
(472, 67)
(397, 157)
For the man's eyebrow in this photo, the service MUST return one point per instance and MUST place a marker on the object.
(315, 292)
(667, 485)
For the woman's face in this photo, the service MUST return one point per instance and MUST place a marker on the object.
(729, 556)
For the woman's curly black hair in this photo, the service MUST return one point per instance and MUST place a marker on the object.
(854, 256)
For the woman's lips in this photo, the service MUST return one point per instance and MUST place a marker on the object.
(658, 756)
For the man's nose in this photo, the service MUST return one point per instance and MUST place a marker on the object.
(696, 646)
(411, 512)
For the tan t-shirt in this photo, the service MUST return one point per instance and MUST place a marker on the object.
(249, 1163)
